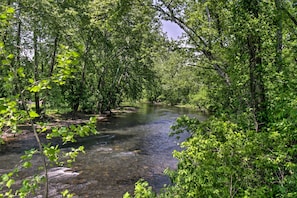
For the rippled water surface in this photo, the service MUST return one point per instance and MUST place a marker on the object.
(130, 146)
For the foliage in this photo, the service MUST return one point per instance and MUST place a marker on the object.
(123, 67)
(14, 110)
(243, 55)
(173, 70)
(236, 59)
(142, 190)
(60, 54)
(113, 54)
(223, 160)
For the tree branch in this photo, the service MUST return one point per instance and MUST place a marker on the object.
(200, 44)
(290, 16)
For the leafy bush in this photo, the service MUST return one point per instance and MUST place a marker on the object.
(201, 99)
(220, 159)
(142, 190)
(223, 160)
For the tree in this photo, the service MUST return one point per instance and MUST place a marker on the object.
(15, 110)
(129, 34)
(219, 42)
(246, 148)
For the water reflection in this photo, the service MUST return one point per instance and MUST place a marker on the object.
(130, 146)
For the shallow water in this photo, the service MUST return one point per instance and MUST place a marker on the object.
(130, 146)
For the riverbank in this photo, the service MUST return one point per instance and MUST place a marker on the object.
(12, 140)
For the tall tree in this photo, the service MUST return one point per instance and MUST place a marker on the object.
(254, 45)
(279, 34)
(219, 41)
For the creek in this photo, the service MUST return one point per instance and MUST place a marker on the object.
(130, 146)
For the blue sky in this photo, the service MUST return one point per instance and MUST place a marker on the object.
(172, 30)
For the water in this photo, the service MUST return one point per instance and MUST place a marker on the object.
(130, 146)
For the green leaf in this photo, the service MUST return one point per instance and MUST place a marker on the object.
(35, 89)
(20, 71)
(27, 165)
(10, 56)
(5, 62)
(126, 195)
(5, 177)
(3, 17)
(31, 80)
(33, 114)
(9, 183)
(2, 109)
(65, 192)
(10, 10)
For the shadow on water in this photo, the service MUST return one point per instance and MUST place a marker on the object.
(130, 146)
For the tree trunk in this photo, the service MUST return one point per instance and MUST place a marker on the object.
(257, 89)
(53, 61)
(279, 35)
(17, 62)
(36, 95)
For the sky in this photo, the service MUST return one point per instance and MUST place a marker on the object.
(172, 30)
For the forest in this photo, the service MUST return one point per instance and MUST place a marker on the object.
(236, 61)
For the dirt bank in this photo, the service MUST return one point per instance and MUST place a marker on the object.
(24, 139)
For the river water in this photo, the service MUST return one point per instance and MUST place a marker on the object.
(130, 146)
